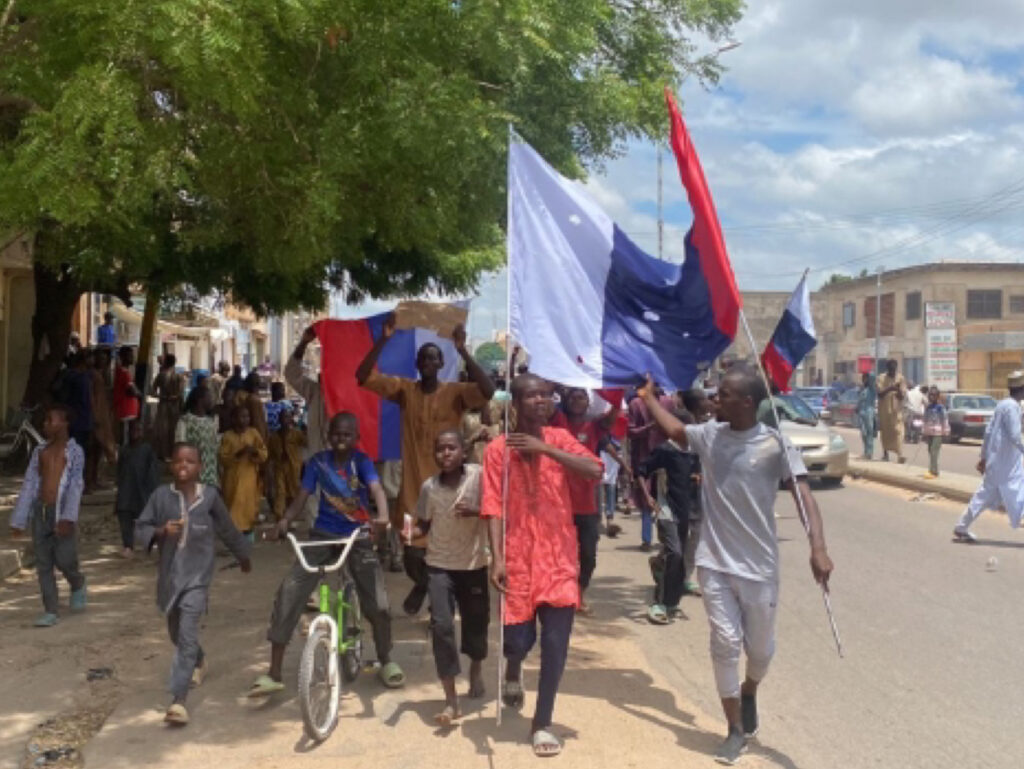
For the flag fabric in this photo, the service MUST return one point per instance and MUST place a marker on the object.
(344, 344)
(794, 337)
(590, 307)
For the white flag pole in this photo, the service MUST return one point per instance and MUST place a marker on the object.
(798, 495)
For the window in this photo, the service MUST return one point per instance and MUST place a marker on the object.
(1017, 303)
(913, 305)
(849, 314)
(913, 369)
(984, 303)
(888, 307)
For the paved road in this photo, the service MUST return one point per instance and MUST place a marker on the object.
(930, 677)
(954, 457)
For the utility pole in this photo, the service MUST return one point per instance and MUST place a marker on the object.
(661, 216)
(878, 317)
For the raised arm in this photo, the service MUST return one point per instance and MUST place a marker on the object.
(671, 426)
(367, 365)
(476, 373)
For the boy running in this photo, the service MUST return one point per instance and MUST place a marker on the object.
(738, 555)
(50, 496)
(448, 512)
(182, 518)
(537, 563)
(346, 478)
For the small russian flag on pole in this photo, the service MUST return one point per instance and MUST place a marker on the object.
(794, 337)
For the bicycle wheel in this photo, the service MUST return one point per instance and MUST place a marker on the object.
(319, 685)
(351, 633)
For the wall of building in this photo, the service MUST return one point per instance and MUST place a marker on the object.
(841, 345)
(17, 306)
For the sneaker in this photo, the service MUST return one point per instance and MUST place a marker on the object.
(176, 714)
(961, 534)
(929, 476)
(613, 530)
(46, 620)
(692, 588)
(732, 748)
(646, 547)
(199, 674)
(78, 599)
(748, 713)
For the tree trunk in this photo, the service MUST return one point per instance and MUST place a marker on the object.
(142, 372)
(57, 294)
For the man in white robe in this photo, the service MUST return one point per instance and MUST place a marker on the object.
(1002, 464)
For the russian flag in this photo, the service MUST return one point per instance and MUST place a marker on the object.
(343, 345)
(590, 307)
(794, 337)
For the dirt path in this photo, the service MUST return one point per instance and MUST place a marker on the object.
(611, 706)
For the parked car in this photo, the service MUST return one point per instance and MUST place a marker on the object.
(969, 415)
(817, 398)
(824, 451)
(844, 410)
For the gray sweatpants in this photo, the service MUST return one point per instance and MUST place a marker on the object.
(368, 577)
(183, 627)
(53, 551)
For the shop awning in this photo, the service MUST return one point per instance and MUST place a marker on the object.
(994, 341)
(134, 318)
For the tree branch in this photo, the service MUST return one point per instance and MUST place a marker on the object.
(8, 13)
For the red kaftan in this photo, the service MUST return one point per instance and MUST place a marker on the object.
(541, 549)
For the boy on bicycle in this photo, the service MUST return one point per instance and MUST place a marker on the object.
(183, 518)
(346, 477)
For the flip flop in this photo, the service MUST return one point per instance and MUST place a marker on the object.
(448, 714)
(392, 676)
(545, 744)
(264, 686)
(657, 615)
(512, 694)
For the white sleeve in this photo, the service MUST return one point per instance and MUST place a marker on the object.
(698, 437)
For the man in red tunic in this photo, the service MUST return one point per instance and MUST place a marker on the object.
(536, 563)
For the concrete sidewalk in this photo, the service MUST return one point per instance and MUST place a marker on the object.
(953, 486)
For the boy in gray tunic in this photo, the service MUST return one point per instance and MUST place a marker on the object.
(182, 518)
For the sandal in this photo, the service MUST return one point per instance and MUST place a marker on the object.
(512, 694)
(657, 615)
(448, 714)
(392, 676)
(176, 715)
(545, 744)
(264, 686)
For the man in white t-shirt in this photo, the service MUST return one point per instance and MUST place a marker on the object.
(742, 463)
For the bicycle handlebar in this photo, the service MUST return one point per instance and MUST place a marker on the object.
(347, 542)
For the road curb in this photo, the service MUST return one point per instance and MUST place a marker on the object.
(953, 488)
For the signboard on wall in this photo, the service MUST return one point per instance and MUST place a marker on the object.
(939, 315)
(941, 358)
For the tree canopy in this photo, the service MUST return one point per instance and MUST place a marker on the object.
(273, 148)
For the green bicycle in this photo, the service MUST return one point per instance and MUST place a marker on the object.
(334, 646)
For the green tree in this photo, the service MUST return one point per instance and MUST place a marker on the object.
(275, 149)
(489, 355)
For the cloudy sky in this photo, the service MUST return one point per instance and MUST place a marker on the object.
(843, 135)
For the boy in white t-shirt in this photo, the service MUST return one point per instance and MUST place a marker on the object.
(742, 462)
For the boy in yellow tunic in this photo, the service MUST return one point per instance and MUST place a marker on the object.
(286, 447)
(242, 452)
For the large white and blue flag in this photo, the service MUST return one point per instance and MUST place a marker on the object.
(590, 307)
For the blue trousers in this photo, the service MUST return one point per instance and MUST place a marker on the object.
(868, 428)
(555, 629)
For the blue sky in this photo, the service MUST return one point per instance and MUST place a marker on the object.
(843, 135)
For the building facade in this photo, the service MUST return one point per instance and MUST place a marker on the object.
(956, 324)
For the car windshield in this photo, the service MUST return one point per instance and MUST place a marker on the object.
(973, 402)
(794, 408)
(811, 393)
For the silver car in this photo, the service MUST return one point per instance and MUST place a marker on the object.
(824, 451)
(969, 415)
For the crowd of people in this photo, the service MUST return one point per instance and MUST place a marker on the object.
(556, 465)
